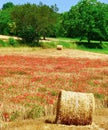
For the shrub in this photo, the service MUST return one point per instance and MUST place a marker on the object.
(45, 45)
(12, 42)
(35, 112)
(91, 45)
(104, 45)
(29, 36)
(99, 96)
(3, 43)
(14, 116)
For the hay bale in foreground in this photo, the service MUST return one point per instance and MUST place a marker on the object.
(59, 47)
(75, 108)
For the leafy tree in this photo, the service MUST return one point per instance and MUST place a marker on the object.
(65, 25)
(28, 34)
(87, 19)
(5, 20)
(58, 28)
(7, 5)
(12, 28)
(47, 19)
(54, 8)
(25, 17)
(91, 17)
(7, 26)
(39, 19)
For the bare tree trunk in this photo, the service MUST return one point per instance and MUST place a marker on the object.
(88, 40)
(44, 38)
(100, 41)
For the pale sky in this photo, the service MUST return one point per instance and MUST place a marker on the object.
(63, 5)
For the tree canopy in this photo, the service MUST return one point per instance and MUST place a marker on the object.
(8, 5)
(88, 19)
(37, 20)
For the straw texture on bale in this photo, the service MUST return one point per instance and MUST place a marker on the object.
(59, 47)
(75, 108)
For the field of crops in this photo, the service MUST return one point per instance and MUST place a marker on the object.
(30, 83)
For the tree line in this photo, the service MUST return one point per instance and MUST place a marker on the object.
(88, 19)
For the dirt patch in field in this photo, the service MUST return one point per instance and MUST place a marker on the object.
(72, 53)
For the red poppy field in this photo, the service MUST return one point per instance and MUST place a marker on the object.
(29, 82)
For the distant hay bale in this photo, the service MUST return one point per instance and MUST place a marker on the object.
(59, 47)
(75, 108)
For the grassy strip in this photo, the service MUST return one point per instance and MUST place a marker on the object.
(53, 44)
(102, 51)
(70, 43)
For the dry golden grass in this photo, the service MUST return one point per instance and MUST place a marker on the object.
(101, 115)
(72, 53)
(100, 122)
(5, 38)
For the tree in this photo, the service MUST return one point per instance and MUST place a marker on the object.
(87, 19)
(54, 8)
(47, 19)
(7, 26)
(7, 5)
(5, 20)
(25, 17)
(92, 19)
(35, 18)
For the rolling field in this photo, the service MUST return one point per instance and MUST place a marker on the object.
(30, 80)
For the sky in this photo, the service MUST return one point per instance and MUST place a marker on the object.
(63, 5)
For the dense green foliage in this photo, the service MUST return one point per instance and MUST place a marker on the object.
(5, 21)
(11, 42)
(7, 5)
(33, 21)
(88, 20)
(29, 21)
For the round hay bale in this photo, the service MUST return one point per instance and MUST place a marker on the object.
(59, 47)
(75, 108)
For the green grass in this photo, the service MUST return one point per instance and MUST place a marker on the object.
(68, 39)
(73, 43)
(46, 45)
(99, 96)
(70, 45)
(102, 51)
(53, 44)
(11, 42)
